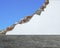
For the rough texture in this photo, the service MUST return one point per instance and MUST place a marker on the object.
(29, 41)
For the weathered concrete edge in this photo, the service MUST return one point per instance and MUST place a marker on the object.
(25, 19)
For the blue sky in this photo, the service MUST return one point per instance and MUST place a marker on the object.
(12, 11)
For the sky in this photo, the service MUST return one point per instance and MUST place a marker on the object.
(12, 11)
(48, 23)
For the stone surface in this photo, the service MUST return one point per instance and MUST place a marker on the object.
(30, 41)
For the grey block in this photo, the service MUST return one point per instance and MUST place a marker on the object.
(30, 41)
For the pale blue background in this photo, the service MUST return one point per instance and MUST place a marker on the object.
(12, 11)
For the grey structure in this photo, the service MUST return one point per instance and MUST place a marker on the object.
(30, 41)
